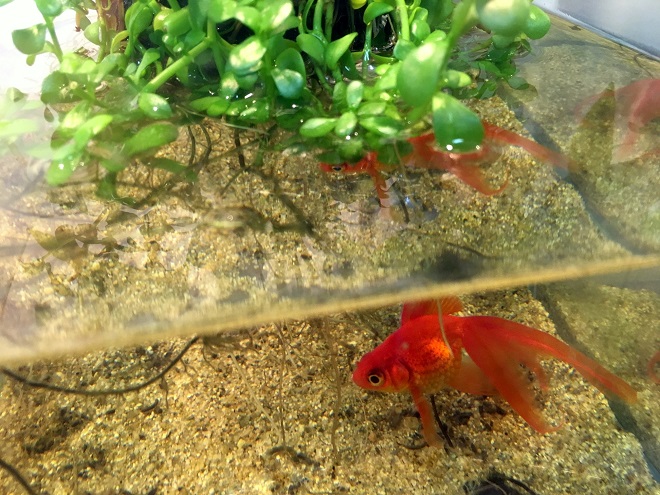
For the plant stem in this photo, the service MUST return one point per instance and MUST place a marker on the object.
(329, 15)
(402, 10)
(318, 17)
(366, 53)
(304, 16)
(372, 56)
(57, 49)
(169, 71)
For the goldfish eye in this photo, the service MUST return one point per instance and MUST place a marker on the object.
(338, 168)
(376, 379)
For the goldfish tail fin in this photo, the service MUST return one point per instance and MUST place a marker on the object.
(491, 342)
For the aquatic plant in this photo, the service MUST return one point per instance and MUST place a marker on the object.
(344, 79)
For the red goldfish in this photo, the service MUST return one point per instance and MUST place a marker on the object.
(650, 368)
(465, 166)
(637, 104)
(425, 355)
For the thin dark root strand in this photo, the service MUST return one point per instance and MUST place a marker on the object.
(110, 391)
(18, 477)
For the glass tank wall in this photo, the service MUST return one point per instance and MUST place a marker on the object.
(270, 277)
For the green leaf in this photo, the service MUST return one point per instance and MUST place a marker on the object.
(464, 16)
(420, 30)
(317, 127)
(174, 167)
(138, 18)
(150, 137)
(75, 117)
(201, 104)
(257, 112)
(337, 48)
(199, 9)
(417, 80)
(438, 10)
(456, 127)
(371, 108)
(403, 48)
(518, 82)
(5, 2)
(90, 129)
(387, 81)
(218, 108)
(381, 124)
(346, 124)
(312, 46)
(455, 79)
(154, 106)
(50, 8)
(291, 59)
(244, 57)
(61, 169)
(250, 17)
(375, 9)
(503, 17)
(30, 40)
(339, 103)
(93, 33)
(291, 119)
(218, 10)
(351, 150)
(538, 23)
(55, 89)
(177, 23)
(289, 83)
(274, 14)
(354, 94)
(17, 127)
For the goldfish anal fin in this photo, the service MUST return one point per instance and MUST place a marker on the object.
(446, 306)
(470, 379)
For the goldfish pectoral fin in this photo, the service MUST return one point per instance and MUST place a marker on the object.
(470, 379)
(473, 177)
(538, 151)
(504, 372)
(426, 416)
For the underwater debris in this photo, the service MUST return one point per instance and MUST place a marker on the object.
(425, 354)
(496, 484)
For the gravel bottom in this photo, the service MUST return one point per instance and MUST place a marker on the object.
(272, 410)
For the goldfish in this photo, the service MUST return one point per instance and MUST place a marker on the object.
(650, 368)
(425, 355)
(465, 166)
(637, 104)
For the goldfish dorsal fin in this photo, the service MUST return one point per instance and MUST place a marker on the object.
(451, 305)
(446, 306)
